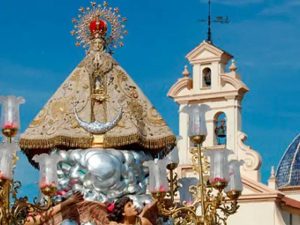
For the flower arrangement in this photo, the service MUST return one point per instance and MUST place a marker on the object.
(110, 207)
(45, 185)
(3, 176)
(160, 188)
(10, 129)
(47, 188)
(216, 180)
(61, 192)
(10, 125)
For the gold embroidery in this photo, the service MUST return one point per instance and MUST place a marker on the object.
(56, 126)
(154, 118)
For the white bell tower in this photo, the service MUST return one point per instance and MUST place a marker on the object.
(219, 93)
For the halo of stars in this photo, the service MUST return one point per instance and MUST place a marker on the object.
(116, 24)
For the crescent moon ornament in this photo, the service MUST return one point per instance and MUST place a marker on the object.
(98, 127)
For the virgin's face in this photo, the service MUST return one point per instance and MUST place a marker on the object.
(97, 44)
(129, 210)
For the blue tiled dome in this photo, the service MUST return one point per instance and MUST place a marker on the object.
(288, 172)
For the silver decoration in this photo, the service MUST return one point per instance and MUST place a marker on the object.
(65, 166)
(77, 187)
(75, 155)
(103, 174)
(64, 183)
(98, 127)
(64, 155)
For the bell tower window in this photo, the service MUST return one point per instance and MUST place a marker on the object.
(220, 128)
(206, 75)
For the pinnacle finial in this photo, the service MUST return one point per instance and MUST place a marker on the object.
(185, 72)
(272, 172)
(272, 180)
(233, 66)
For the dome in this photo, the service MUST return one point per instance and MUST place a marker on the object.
(288, 172)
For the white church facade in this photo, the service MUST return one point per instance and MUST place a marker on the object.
(218, 89)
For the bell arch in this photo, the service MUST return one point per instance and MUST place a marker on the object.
(206, 77)
(220, 128)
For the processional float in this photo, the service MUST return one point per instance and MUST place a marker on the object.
(99, 135)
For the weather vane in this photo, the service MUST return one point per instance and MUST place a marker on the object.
(218, 19)
(99, 21)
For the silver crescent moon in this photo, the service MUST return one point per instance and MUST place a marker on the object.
(98, 127)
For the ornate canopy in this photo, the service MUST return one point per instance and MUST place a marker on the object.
(97, 90)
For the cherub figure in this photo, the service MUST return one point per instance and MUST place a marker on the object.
(125, 213)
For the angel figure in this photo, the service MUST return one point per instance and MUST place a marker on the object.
(124, 212)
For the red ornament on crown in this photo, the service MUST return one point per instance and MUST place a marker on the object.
(98, 26)
(99, 21)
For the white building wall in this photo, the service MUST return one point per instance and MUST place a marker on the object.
(183, 143)
(197, 82)
(215, 71)
(257, 213)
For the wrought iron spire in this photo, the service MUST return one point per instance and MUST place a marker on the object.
(209, 23)
(218, 19)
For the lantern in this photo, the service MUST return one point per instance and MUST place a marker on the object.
(48, 172)
(235, 186)
(158, 182)
(7, 157)
(218, 168)
(197, 126)
(10, 116)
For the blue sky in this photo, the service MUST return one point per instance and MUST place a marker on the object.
(37, 53)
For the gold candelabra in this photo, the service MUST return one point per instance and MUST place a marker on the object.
(211, 205)
(14, 210)
(218, 188)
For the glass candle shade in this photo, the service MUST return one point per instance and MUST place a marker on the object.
(218, 168)
(235, 186)
(158, 182)
(197, 126)
(7, 156)
(48, 173)
(10, 116)
(172, 159)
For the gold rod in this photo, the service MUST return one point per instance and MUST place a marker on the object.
(6, 196)
(172, 185)
(203, 210)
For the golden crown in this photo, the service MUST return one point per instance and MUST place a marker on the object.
(99, 21)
